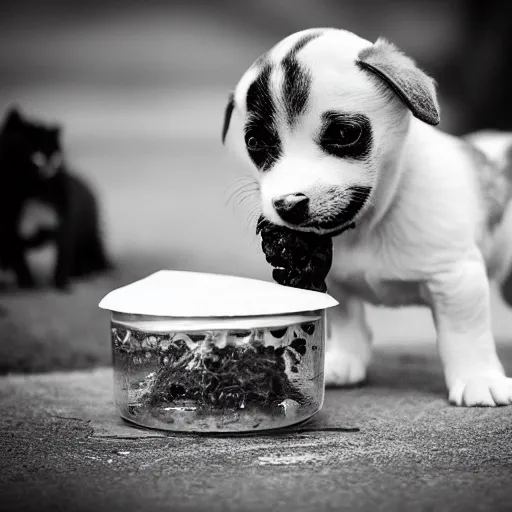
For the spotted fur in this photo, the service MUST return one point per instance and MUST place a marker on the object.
(262, 121)
(297, 81)
(227, 116)
(496, 188)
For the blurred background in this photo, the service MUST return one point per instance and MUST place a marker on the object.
(140, 89)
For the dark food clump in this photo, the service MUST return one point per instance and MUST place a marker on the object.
(300, 260)
(230, 377)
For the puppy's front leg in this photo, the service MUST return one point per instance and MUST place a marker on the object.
(461, 309)
(348, 349)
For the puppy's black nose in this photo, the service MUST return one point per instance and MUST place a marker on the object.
(292, 208)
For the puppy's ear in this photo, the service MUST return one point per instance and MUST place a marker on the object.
(227, 116)
(414, 87)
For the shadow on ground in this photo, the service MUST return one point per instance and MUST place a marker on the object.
(46, 330)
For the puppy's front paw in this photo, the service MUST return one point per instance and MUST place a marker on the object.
(344, 369)
(481, 391)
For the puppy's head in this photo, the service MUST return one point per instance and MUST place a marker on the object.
(316, 117)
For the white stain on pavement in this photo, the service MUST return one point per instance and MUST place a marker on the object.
(286, 460)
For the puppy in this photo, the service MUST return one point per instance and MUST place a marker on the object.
(340, 132)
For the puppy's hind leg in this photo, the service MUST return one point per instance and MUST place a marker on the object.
(348, 350)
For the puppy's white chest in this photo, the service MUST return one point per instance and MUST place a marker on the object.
(391, 293)
(363, 272)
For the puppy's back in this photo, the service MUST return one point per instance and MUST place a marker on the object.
(497, 146)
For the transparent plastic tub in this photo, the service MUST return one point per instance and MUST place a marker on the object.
(218, 375)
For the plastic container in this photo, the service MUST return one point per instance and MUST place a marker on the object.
(235, 357)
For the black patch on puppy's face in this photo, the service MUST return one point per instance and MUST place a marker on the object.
(227, 116)
(261, 137)
(346, 135)
(297, 81)
(358, 197)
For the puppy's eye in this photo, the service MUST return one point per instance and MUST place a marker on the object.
(262, 143)
(342, 134)
(253, 144)
(346, 135)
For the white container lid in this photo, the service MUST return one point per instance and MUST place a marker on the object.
(194, 294)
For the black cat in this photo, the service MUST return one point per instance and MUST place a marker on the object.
(32, 168)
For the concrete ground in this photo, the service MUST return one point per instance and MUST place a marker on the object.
(62, 447)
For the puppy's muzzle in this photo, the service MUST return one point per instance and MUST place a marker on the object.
(292, 208)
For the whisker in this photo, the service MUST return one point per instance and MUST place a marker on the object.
(247, 196)
(242, 187)
(244, 198)
(235, 182)
(244, 179)
(241, 197)
(250, 188)
(241, 184)
(253, 216)
(254, 210)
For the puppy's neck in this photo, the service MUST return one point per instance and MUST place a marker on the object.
(392, 166)
(405, 163)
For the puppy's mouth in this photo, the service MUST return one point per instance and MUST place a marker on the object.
(341, 219)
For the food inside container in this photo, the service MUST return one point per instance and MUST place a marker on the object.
(236, 355)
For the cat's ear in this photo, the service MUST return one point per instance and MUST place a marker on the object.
(400, 73)
(13, 117)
